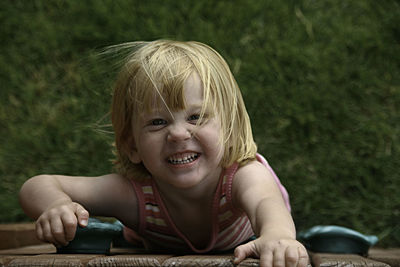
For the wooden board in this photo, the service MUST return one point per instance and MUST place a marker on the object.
(17, 235)
(390, 256)
(52, 260)
(45, 255)
(143, 260)
(341, 260)
(30, 250)
(200, 261)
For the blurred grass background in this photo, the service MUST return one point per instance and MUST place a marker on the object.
(321, 80)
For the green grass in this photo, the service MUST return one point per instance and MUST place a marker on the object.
(320, 79)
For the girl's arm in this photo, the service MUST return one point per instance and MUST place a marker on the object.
(255, 191)
(59, 203)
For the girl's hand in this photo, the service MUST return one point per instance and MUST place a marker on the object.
(58, 224)
(276, 253)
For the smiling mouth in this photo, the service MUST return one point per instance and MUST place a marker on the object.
(183, 158)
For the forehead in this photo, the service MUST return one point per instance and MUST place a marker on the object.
(193, 90)
(187, 94)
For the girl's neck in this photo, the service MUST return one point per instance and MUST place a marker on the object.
(196, 194)
(191, 209)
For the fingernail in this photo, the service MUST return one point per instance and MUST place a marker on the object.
(84, 222)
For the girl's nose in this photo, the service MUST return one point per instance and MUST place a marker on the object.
(178, 132)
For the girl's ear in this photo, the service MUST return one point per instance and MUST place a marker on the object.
(134, 156)
(132, 151)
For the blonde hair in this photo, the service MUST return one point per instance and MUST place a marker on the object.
(161, 67)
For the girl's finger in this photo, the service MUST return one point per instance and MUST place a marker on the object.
(82, 215)
(47, 233)
(279, 257)
(69, 222)
(292, 256)
(39, 231)
(243, 251)
(303, 258)
(267, 258)
(57, 230)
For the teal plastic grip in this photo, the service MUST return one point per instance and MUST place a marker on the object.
(336, 239)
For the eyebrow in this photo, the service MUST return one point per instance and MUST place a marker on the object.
(195, 106)
(161, 109)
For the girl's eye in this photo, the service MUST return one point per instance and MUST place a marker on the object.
(197, 119)
(158, 122)
(194, 117)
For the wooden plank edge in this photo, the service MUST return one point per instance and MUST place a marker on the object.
(390, 256)
(328, 260)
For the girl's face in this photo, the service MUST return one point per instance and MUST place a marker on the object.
(173, 148)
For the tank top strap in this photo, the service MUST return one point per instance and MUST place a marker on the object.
(147, 203)
(226, 184)
(283, 190)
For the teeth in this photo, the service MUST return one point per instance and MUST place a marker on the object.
(183, 159)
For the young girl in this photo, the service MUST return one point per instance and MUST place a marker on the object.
(188, 175)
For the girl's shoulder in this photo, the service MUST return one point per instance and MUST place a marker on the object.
(252, 174)
(252, 169)
(257, 169)
(257, 174)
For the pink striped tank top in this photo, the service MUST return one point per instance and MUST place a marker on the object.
(230, 228)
